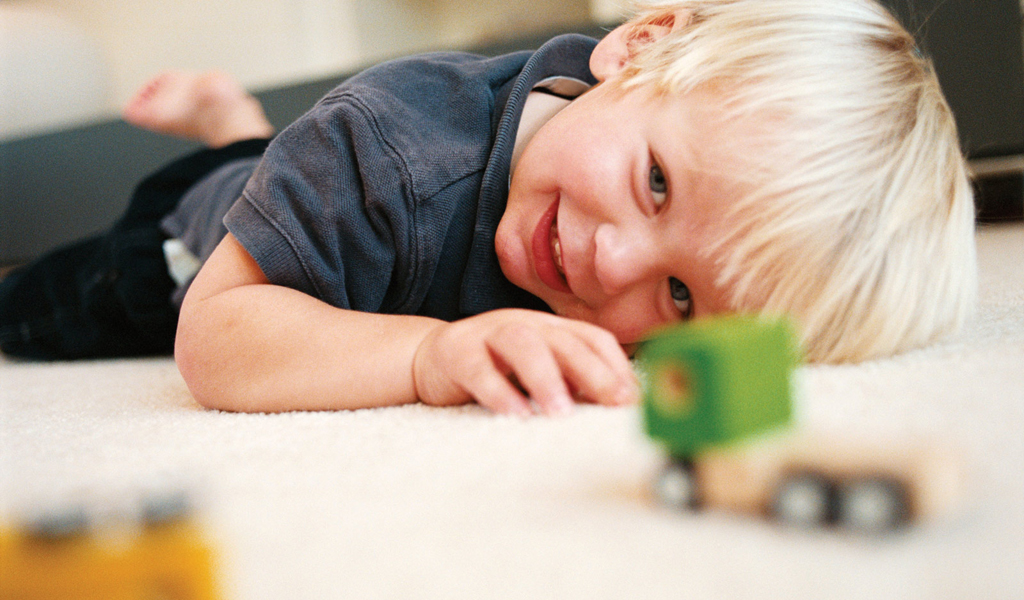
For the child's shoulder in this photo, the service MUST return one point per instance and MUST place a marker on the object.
(421, 77)
(436, 75)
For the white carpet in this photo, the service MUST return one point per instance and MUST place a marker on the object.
(416, 502)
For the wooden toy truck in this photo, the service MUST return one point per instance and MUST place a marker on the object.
(718, 391)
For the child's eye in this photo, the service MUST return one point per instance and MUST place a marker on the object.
(680, 297)
(658, 185)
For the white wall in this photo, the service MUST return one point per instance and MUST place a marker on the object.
(260, 41)
(51, 72)
(270, 42)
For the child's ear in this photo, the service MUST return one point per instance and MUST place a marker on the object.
(618, 47)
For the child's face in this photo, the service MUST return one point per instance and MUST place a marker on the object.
(612, 207)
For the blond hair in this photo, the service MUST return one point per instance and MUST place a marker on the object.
(861, 222)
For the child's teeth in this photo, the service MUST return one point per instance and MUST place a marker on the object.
(556, 247)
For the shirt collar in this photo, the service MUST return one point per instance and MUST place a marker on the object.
(557, 63)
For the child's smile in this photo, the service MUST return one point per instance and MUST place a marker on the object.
(547, 251)
(613, 207)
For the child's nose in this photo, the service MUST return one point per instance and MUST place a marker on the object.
(622, 258)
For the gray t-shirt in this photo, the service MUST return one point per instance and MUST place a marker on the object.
(198, 220)
(385, 197)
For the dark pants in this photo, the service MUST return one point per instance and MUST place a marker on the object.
(108, 295)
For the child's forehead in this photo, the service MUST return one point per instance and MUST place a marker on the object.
(693, 130)
(700, 129)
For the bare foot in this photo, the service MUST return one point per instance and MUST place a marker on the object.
(209, 107)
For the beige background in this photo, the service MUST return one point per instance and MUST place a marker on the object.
(114, 46)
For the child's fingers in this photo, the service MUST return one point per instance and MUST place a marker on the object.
(613, 381)
(479, 358)
(452, 366)
(594, 376)
(527, 353)
(604, 343)
(493, 390)
(547, 360)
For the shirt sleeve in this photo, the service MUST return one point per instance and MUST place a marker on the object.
(308, 218)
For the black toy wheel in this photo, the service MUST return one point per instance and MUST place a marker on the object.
(676, 486)
(804, 499)
(872, 505)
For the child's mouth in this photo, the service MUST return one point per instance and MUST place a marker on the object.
(547, 251)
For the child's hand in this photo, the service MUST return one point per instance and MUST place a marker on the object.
(553, 359)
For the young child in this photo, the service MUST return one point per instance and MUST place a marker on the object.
(449, 228)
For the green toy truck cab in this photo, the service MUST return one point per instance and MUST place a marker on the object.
(717, 381)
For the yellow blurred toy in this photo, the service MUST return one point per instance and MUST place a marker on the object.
(158, 553)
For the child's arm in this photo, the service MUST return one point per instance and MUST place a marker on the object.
(245, 344)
